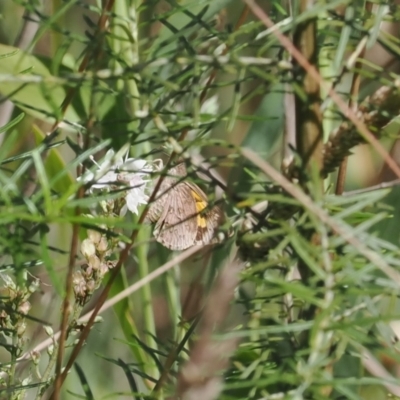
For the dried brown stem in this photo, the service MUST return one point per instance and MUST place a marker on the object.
(65, 310)
(69, 278)
(308, 112)
(75, 233)
(199, 377)
(379, 186)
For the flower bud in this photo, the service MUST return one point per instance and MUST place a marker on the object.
(91, 286)
(94, 236)
(87, 270)
(88, 248)
(94, 263)
(49, 330)
(35, 357)
(33, 286)
(102, 246)
(79, 284)
(9, 283)
(24, 307)
(21, 328)
(103, 269)
(26, 381)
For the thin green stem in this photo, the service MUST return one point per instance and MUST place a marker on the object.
(125, 312)
(147, 299)
(128, 49)
(173, 298)
(11, 376)
(48, 371)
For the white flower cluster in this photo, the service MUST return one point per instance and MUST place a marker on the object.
(127, 174)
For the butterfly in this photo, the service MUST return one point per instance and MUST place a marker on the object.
(181, 214)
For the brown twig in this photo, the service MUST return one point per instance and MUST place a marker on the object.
(199, 377)
(380, 186)
(75, 233)
(65, 313)
(360, 124)
(123, 256)
(177, 348)
(308, 111)
(289, 134)
(101, 26)
(65, 309)
(341, 178)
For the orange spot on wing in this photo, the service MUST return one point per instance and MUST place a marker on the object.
(201, 222)
(200, 206)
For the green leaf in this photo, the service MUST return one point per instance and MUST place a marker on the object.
(389, 228)
(129, 377)
(48, 261)
(53, 165)
(41, 99)
(84, 382)
(125, 311)
(12, 123)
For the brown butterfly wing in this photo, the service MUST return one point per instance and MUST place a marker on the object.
(207, 221)
(157, 208)
(180, 213)
(168, 184)
(213, 218)
(176, 228)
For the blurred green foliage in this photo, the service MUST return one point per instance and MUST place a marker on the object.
(314, 315)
